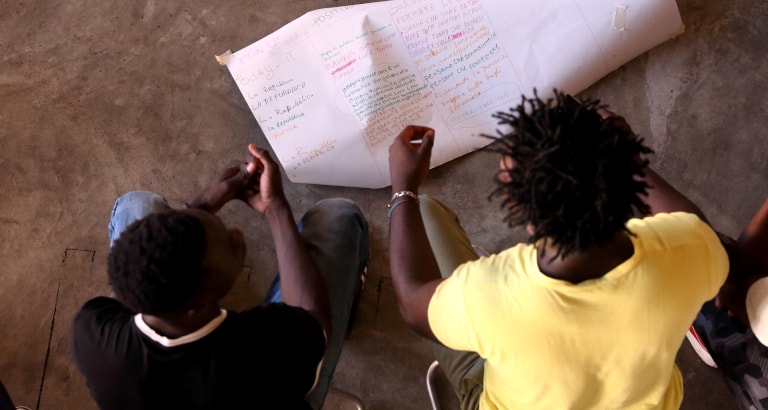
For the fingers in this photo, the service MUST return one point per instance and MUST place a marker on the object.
(406, 135)
(234, 176)
(428, 140)
(419, 130)
(617, 121)
(720, 305)
(258, 152)
(251, 170)
(604, 113)
(262, 155)
(229, 173)
(263, 163)
(415, 136)
(270, 173)
(415, 133)
(412, 132)
(250, 167)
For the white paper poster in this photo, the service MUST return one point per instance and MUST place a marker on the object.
(333, 88)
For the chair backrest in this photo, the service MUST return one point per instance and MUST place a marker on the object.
(431, 385)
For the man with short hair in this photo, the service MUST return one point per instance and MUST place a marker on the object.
(591, 312)
(166, 343)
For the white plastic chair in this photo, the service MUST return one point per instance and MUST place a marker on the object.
(431, 385)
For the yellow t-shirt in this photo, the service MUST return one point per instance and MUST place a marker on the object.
(605, 343)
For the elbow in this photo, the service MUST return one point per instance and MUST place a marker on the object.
(418, 320)
(407, 316)
(414, 316)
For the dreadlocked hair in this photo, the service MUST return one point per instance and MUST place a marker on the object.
(573, 175)
(155, 266)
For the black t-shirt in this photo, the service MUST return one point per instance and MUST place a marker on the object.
(262, 358)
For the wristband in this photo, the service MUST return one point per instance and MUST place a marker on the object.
(391, 207)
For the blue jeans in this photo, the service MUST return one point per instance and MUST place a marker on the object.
(336, 233)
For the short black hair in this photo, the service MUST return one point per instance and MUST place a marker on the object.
(574, 175)
(155, 266)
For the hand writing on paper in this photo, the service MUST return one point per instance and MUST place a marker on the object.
(409, 158)
(264, 187)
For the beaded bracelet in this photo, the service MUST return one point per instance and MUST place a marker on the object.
(392, 205)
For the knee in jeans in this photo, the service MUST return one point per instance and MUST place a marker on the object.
(136, 197)
(135, 205)
(338, 207)
(337, 204)
(340, 211)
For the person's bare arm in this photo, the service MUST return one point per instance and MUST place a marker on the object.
(752, 244)
(415, 273)
(749, 263)
(300, 281)
(663, 197)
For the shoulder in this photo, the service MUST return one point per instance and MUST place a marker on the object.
(669, 223)
(670, 230)
(475, 291)
(692, 242)
(100, 310)
(104, 302)
(515, 260)
(100, 326)
(478, 279)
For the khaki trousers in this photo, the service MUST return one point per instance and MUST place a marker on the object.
(452, 247)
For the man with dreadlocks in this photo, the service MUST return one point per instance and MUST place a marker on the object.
(591, 312)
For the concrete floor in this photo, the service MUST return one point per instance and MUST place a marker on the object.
(99, 98)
